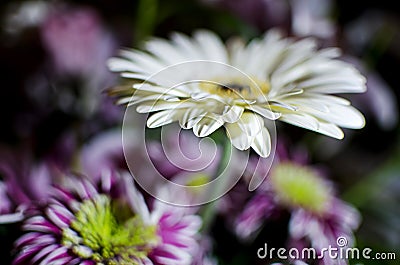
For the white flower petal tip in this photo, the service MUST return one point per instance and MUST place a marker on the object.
(273, 78)
(262, 143)
(206, 126)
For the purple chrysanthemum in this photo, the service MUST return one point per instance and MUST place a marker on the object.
(22, 183)
(318, 217)
(108, 223)
(321, 231)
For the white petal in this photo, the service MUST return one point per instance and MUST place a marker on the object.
(174, 91)
(135, 198)
(344, 116)
(232, 113)
(135, 75)
(11, 218)
(330, 98)
(250, 123)
(297, 53)
(136, 99)
(163, 118)
(238, 138)
(331, 130)
(304, 103)
(189, 48)
(341, 79)
(262, 143)
(265, 111)
(152, 106)
(121, 65)
(331, 52)
(207, 125)
(301, 120)
(166, 52)
(145, 62)
(213, 47)
(191, 117)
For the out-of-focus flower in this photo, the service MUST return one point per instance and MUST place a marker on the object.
(371, 28)
(302, 18)
(76, 41)
(316, 213)
(5, 202)
(318, 217)
(177, 229)
(24, 182)
(311, 18)
(107, 223)
(103, 153)
(78, 46)
(288, 80)
(257, 210)
(379, 100)
(297, 186)
(202, 256)
(262, 204)
(339, 221)
(24, 15)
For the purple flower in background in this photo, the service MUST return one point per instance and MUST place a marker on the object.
(177, 229)
(261, 205)
(379, 100)
(318, 217)
(103, 153)
(202, 257)
(76, 41)
(78, 45)
(321, 231)
(24, 182)
(259, 209)
(302, 18)
(311, 18)
(106, 223)
(5, 201)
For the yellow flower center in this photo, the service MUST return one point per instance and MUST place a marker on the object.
(299, 186)
(236, 87)
(108, 234)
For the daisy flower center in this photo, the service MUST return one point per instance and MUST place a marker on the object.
(298, 186)
(106, 232)
(236, 87)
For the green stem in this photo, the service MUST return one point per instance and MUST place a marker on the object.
(209, 210)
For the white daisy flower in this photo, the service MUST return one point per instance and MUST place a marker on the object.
(204, 85)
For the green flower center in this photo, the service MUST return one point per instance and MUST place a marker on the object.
(108, 233)
(298, 186)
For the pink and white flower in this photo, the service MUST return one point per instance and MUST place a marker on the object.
(107, 222)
